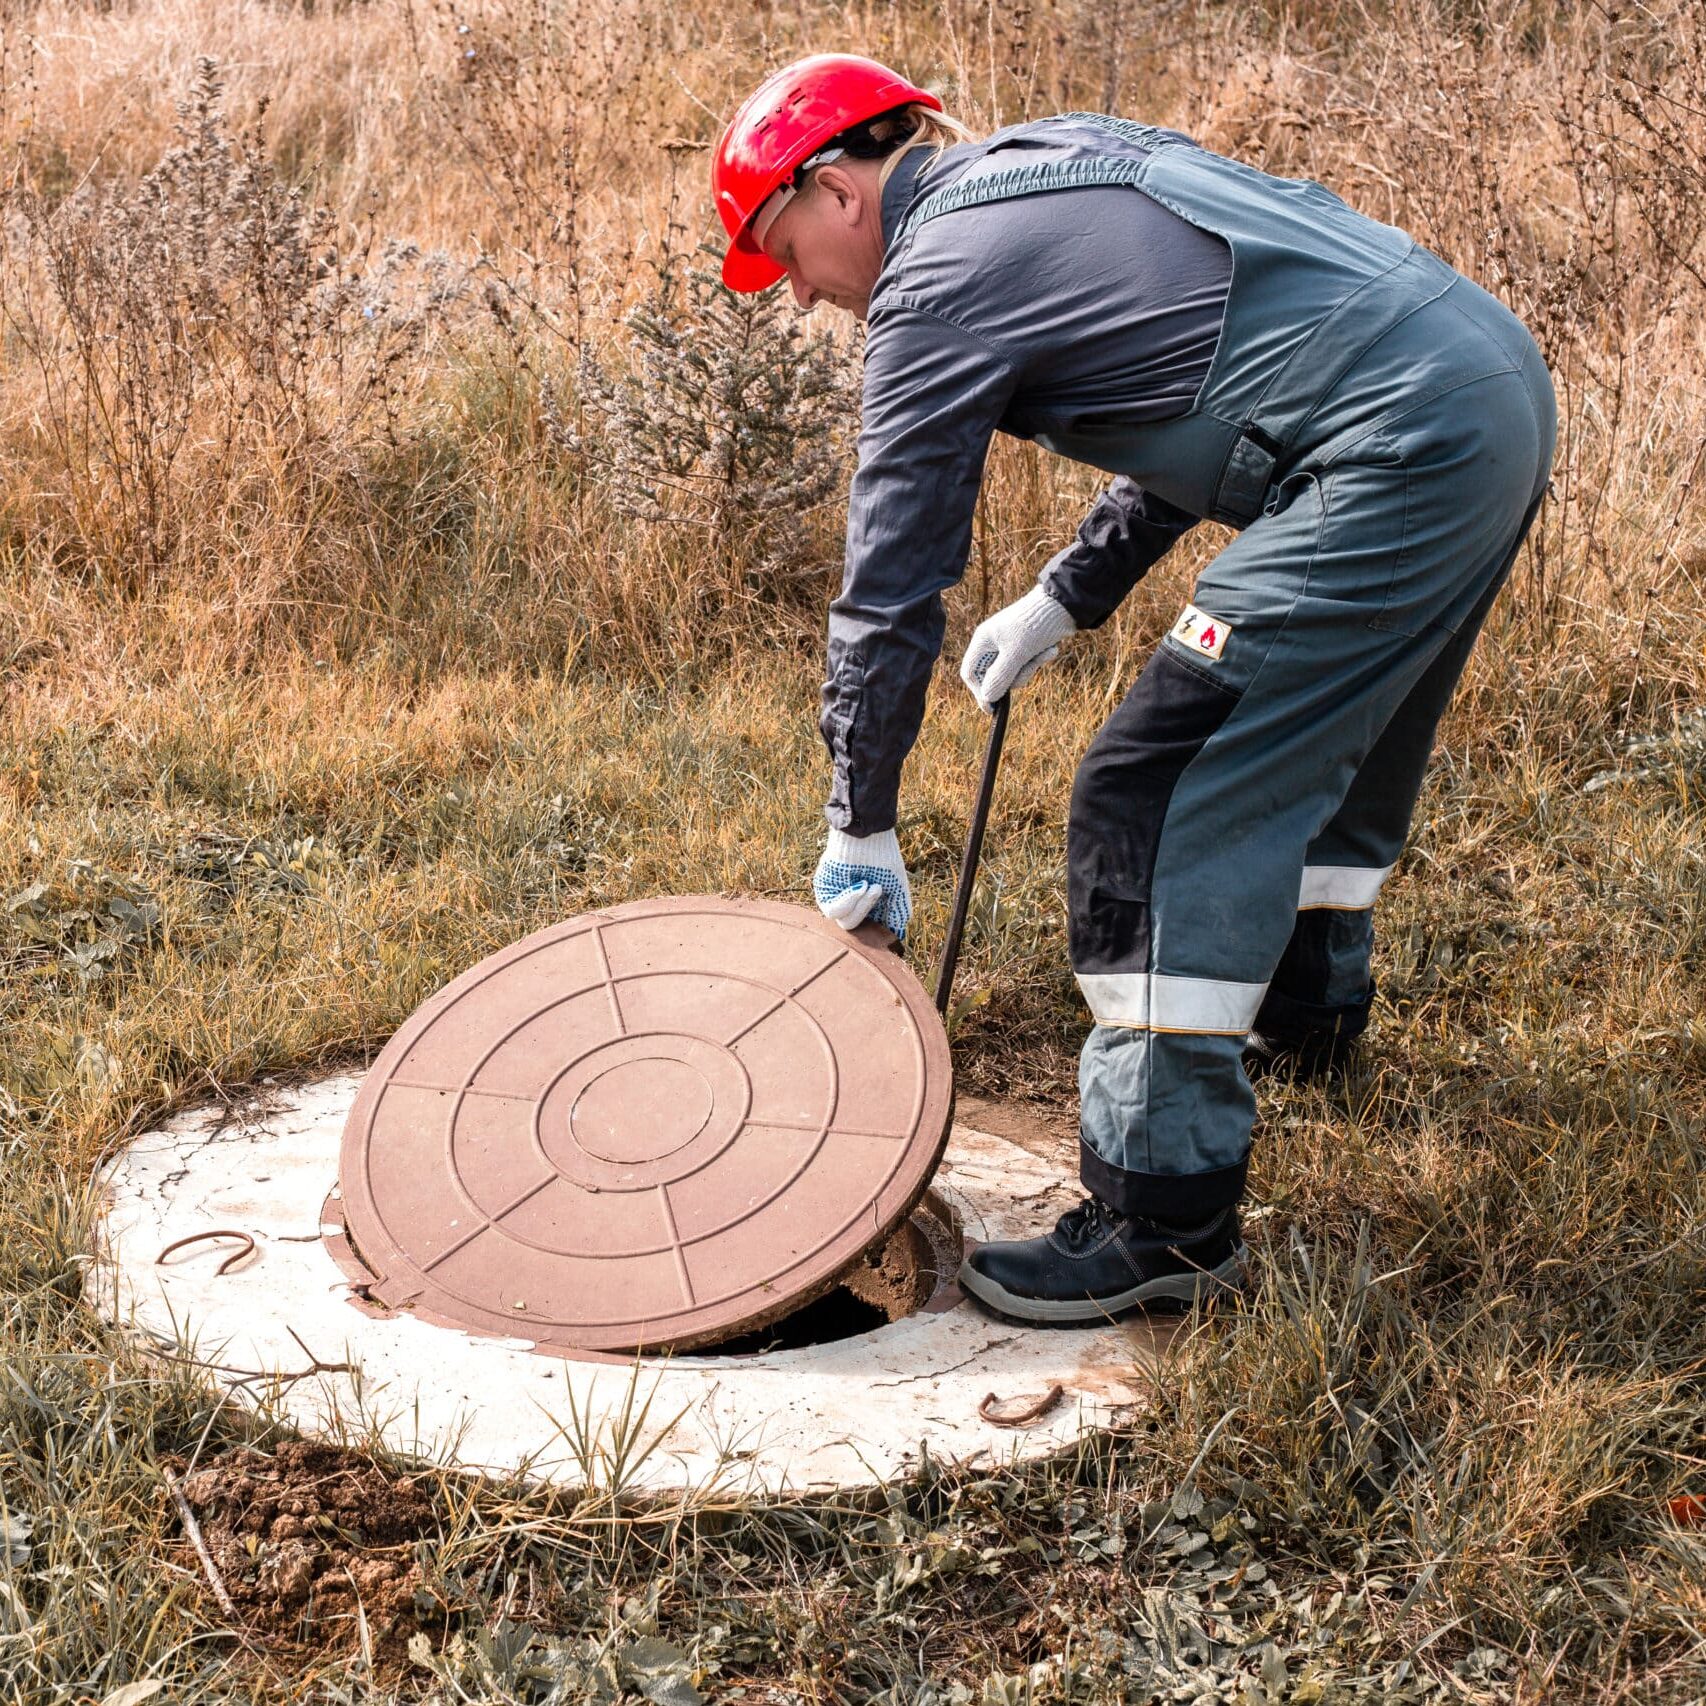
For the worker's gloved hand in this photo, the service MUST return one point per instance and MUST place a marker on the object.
(863, 876)
(1009, 647)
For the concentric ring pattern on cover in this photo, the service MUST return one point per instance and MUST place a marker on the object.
(657, 1125)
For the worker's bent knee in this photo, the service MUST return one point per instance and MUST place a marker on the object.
(1120, 797)
(1107, 870)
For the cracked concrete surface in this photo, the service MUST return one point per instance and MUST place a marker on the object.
(280, 1326)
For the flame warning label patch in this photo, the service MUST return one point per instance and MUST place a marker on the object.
(1200, 633)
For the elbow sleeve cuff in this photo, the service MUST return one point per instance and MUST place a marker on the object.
(1083, 616)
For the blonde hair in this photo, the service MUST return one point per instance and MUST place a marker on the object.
(923, 127)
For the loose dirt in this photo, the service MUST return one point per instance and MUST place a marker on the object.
(896, 1276)
(887, 1283)
(306, 1535)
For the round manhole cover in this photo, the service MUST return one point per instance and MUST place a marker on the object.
(655, 1125)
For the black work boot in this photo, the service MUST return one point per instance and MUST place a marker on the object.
(1305, 1058)
(1098, 1263)
(1296, 1039)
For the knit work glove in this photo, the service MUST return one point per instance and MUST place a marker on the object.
(863, 876)
(1009, 647)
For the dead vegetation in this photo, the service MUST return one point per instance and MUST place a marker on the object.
(399, 552)
(307, 1534)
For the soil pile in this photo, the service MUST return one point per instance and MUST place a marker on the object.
(303, 1537)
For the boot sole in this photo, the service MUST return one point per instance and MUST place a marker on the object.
(1171, 1292)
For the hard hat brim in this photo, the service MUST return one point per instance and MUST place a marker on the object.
(747, 268)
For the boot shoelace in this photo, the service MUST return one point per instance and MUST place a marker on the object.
(1079, 1225)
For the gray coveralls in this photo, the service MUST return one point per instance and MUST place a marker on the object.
(1381, 430)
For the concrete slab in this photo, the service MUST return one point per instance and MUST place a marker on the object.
(281, 1326)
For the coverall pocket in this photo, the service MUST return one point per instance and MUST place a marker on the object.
(1286, 492)
(1465, 467)
(1405, 607)
(1364, 559)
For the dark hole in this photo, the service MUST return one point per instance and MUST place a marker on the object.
(838, 1315)
(886, 1284)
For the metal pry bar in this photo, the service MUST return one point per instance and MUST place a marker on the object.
(968, 864)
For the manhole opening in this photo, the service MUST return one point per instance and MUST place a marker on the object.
(912, 1268)
(891, 1281)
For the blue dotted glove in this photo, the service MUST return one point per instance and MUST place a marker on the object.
(863, 876)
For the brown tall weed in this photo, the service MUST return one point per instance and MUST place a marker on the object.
(208, 342)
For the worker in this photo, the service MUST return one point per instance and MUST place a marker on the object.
(1228, 345)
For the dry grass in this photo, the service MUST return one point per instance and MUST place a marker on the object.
(336, 654)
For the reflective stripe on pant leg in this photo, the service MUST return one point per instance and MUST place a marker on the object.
(1347, 888)
(1119, 801)
(1147, 1002)
(1323, 983)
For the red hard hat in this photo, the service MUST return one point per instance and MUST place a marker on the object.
(780, 125)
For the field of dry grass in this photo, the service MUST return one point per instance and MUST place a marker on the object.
(379, 581)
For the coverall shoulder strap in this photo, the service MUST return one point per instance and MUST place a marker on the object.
(1145, 136)
(1086, 172)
